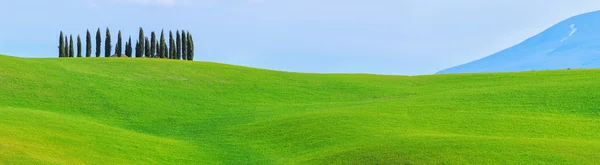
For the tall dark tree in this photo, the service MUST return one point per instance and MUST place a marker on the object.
(141, 40)
(138, 50)
(153, 45)
(129, 50)
(98, 43)
(165, 49)
(61, 45)
(119, 46)
(107, 44)
(66, 50)
(172, 46)
(71, 50)
(184, 44)
(178, 47)
(126, 49)
(88, 44)
(163, 46)
(157, 55)
(190, 47)
(147, 47)
(78, 46)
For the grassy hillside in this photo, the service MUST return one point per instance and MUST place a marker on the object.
(148, 111)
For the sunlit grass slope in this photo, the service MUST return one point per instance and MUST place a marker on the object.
(149, 111)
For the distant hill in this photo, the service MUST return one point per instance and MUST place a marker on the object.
(155, 111)
(573, 43)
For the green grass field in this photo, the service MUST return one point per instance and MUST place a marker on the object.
(150, 111)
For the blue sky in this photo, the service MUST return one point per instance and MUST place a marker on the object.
(406, 37)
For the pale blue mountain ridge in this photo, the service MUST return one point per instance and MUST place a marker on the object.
(573, 43)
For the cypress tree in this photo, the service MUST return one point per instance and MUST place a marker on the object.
(71, 50)
(129, 49)
(162, 50)
(78, 46)
(66, 50)
(147, 47)
(137, 49)
(141, 41)
(157, 46)
(153, 45)
(98, 43)
(88, 44)
(165, 49)
(190, 47)
(61, 45)
(107, 44)
(184, 44)
(126, 49)
(171, 46)
(178, 47)
(119, 46)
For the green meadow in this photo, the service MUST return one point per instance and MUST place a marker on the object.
(156, 111)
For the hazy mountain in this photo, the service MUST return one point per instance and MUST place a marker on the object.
(572, 43)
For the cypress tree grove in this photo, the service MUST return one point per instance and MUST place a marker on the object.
(184, 45)
(88, 44)
(147, 47)
(153, 45)
(78, 46)
(71, 50)
(171, 46)
(141, 41)
(107, 44)
(66, 50)
(162, 48)
(119, 46)
(98, 43)
(61, 45)
(178, 43)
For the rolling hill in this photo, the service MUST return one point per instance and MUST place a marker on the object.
(152, 111)
(573, 43)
